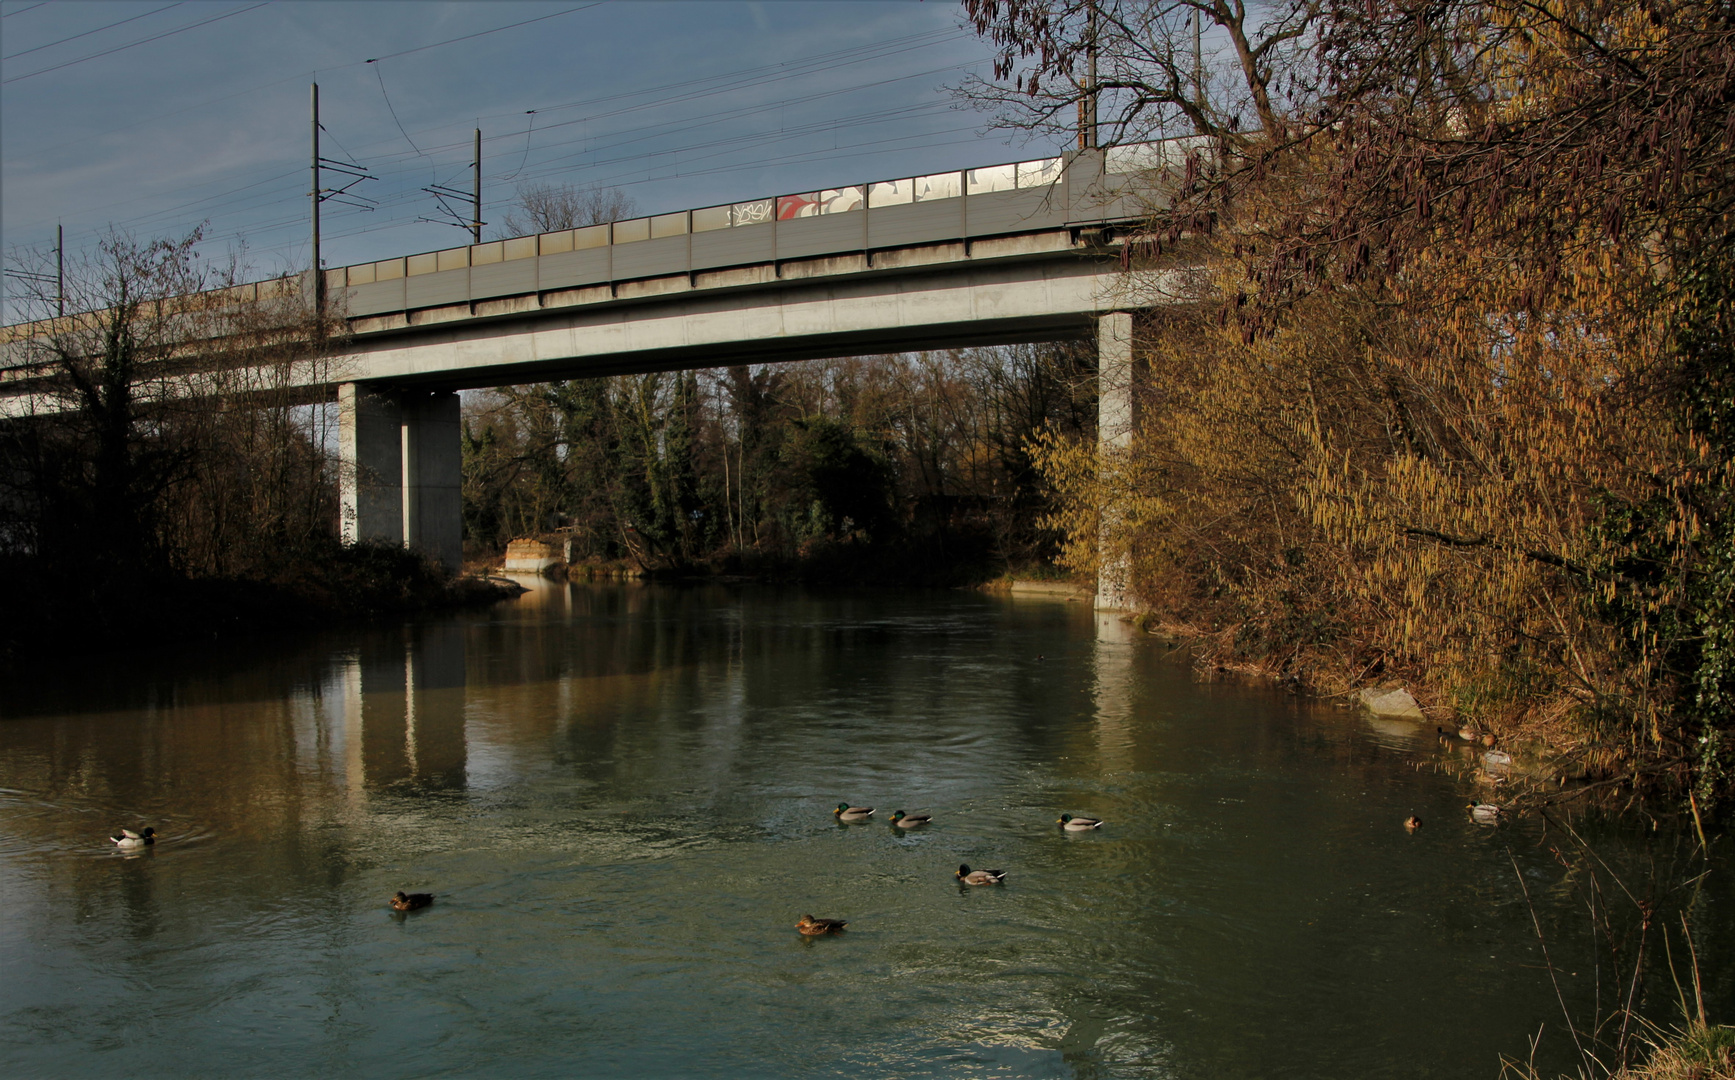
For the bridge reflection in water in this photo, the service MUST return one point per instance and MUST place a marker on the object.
(403, 710)
(622, 797)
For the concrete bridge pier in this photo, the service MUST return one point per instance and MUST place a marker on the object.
(401, 459)
(1115, 427)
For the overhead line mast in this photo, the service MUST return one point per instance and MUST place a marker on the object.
(317, 271)
(344, 168)
(473, 224)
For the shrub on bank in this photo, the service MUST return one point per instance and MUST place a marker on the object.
(314, 583)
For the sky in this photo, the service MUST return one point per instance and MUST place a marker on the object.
(154, 117)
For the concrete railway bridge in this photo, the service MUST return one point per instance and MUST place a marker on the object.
(1022, 252)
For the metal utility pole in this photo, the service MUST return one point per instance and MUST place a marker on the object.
(1089, 134)
(476, 198)
(356, 174)
(40, 281)
(317, 271)
(447, 198)
(1198, 63)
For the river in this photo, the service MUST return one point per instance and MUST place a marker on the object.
(621, 797)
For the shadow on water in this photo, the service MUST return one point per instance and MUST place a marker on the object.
(621, 797)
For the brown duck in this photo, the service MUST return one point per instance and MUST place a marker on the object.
(813, 927)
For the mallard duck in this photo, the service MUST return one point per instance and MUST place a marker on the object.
(1485, 813)
(1412, 823)
(846, 812)
(980, 877)
(127, 839)
(1079, 823)
(910, 821)
(411, 901)
(813, 927)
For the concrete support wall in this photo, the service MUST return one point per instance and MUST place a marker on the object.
(401, 469)
(1116, 424)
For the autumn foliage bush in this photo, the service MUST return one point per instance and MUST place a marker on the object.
(1453, 401)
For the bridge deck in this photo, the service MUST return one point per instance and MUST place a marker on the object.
(1075, 190)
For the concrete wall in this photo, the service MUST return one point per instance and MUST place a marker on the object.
(1116, 424)
(402, 478)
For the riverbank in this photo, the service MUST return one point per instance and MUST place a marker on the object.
(963, 559)
(101, 609)
(551, 771)
(1699, 1051)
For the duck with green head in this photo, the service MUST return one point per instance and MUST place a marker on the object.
(910, 821)
(1485, 813)
(846, 812)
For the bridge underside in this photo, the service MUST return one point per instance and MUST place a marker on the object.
(836, 306)
(400, 410)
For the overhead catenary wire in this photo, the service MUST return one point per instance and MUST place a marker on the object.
(87, 33)
(529, 128)
(297, 77)
(730, 143)
(727, 145)
(135, 44)
(779, 71)
(863, 149)
(637, 133)
(483, 33)
(394, 112)
(599, 156)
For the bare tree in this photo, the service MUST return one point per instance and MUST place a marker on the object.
(1163, 67)
(162, 422)
(542, 208)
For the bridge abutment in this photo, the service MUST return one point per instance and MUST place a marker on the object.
(401, 469)
(1116, 425)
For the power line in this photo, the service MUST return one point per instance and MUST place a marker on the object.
(604, 143)
(22, 10)
(394, 113)
(483, 33)
(129, 45)
(642, 133)
(528, 129)
(894, 45)
(817, 60)
(87, 33)
(298, 77)
(861, 149)
(607, 140)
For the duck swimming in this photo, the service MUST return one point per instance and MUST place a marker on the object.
(846, 812)
(980, 877)
(910, 821)
(1485, 813)
(126, 839)
(813, 927)
(412, 901)
(1412, 823)
(1079, 823)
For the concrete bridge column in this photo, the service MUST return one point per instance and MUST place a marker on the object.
(401, 458)
(1115, 425)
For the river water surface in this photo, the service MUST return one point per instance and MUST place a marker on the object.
(622, 799)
